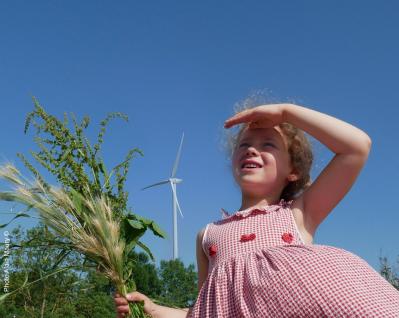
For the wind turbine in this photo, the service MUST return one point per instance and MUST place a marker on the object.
(173, 181)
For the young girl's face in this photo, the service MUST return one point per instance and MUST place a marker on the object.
(267, 149)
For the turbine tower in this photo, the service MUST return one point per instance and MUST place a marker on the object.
(173, 181)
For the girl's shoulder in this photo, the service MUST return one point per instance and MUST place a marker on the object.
(201, 233)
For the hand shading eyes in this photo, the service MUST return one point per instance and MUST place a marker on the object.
(265, 144)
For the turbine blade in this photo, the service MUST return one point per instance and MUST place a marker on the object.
(155, 184)
(177, 157)
(175, 198)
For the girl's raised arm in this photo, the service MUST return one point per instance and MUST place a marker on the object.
(351, 147)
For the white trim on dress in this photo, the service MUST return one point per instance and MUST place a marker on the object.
(296, 227)
(203, 239)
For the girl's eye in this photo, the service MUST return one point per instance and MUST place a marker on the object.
(269, 144)
(265, 144)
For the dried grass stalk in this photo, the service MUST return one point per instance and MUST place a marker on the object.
(87, 223)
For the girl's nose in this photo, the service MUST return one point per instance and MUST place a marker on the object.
(251, 151)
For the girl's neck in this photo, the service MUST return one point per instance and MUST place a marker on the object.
(250, 202)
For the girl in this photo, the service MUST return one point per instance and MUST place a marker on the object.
(260, 261)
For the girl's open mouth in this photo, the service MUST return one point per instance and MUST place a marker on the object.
(250, 169)
(248, 166)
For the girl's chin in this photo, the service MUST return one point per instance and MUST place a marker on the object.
(255, 180)
(254, 177)
(251, 183)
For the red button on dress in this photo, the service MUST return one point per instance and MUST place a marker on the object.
(287, 237)
(247, 237)
(212, 250)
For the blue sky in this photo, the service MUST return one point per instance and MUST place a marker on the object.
(175, 66)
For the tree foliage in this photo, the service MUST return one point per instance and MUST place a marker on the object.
(57, 295)
(389, 273)
(179, 284)
(84, 293)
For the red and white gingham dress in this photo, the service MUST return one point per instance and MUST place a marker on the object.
(260, 267)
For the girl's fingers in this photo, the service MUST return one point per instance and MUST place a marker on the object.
(136, 296)
(242, 117)
(122, 306)
(232, 121)
(122, 309)
(120, 301)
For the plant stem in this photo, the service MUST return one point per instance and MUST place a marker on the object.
(136, 308)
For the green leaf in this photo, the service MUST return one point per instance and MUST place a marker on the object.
(157, 230)
(145, 248)
(136, 224)
(132, 233)
(18, 215)
(144, 220)
(148, 223)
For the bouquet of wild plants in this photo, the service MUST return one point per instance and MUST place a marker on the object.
(85, 211)
(86, 224)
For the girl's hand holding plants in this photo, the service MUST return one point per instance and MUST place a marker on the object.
(122, 304)
(264, 116)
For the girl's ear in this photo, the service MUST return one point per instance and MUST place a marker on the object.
(292, 177)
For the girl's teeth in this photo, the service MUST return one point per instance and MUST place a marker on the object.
(250, 166)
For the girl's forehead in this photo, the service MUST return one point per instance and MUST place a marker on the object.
(274, 133)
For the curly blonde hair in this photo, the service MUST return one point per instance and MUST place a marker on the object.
(299, 149)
